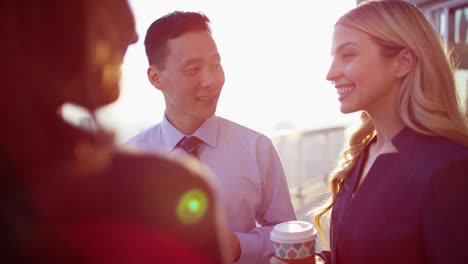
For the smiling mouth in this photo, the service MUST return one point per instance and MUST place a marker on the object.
(206, 98)
(345, 90)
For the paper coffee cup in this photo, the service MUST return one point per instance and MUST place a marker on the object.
(294, 241)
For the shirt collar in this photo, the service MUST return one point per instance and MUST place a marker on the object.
(207, 132)
(171, 135)
(402, 140)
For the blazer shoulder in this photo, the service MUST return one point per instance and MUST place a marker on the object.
(431, 150)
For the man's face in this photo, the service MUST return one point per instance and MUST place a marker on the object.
(192, 78)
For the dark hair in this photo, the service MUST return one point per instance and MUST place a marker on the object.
(168, 27)
(58, 40)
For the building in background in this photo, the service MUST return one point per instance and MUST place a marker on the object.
(450, 18)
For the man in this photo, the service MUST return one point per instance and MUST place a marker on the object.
(184, 64)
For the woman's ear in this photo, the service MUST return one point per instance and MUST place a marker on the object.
(406, 61)
(154, 76)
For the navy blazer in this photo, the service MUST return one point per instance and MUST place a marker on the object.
(411, 208)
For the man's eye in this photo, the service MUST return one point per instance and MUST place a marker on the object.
(191, 70)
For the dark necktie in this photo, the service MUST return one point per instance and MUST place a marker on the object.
(190, 145)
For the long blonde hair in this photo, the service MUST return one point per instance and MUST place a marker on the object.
(428, 102)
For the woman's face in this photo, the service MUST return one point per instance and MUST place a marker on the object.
(363, 77)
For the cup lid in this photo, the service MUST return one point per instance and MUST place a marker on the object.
(293, 232)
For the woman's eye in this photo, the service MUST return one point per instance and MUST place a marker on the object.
(347, 55)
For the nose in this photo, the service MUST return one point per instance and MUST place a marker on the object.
(333, 72)
(134, 38)
(212, 77)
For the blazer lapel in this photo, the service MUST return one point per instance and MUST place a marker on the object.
(373, 203)
(387, 183)
(385, 186)
(343, 199)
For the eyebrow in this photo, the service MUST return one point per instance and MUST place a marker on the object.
(198, 60)
(191, 61)
(342, 46)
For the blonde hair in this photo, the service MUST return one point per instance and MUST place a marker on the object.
(428, 102)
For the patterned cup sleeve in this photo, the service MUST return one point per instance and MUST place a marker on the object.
(294, 251)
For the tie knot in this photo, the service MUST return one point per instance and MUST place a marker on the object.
(190, 144)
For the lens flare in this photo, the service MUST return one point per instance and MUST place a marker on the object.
(192, 206)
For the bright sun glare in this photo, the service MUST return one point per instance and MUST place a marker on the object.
(275, 55)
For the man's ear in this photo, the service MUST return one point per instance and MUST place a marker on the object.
(406, 62)
(154, 76)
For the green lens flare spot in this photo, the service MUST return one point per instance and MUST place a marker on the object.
(192, 206)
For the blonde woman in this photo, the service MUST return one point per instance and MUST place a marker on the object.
(398, 193)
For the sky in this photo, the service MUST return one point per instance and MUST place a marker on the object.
(275, 55)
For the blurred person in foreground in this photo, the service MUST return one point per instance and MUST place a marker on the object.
(71, 196)
(398, 193)
(184, 64)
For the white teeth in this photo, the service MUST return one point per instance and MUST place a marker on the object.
(345, 90)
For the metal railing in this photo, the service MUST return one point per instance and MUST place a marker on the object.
(307, 157)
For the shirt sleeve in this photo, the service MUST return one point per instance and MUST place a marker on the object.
(276, 206)
(445, 214)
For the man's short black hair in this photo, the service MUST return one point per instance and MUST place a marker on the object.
(168, 27)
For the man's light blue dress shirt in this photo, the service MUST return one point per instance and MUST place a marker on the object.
(249, 173)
